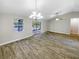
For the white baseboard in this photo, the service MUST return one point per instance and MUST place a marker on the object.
(12, 41)
(60, 32)
(4, 43)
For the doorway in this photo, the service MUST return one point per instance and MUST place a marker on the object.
(74, 26)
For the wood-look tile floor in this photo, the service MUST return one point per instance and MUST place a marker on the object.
(43, 46)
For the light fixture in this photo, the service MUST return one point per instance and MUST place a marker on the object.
(35, 14)
(57, 19)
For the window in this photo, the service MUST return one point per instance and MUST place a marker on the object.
(18, 25)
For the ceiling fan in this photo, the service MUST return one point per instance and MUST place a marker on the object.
(58, 16)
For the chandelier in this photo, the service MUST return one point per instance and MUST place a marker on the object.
(35, 14)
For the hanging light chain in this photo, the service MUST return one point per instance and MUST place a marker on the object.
(35, 14)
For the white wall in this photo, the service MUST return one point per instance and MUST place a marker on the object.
(8, 33)
(60, 26)
(44, 26)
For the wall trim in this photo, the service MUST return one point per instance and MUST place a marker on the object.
(70, 35)
(59, 33)
(13, 41)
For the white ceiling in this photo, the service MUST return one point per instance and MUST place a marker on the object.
(46, 7)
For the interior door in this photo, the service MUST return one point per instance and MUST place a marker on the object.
(75, 26)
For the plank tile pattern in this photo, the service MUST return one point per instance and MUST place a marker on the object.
(42, 46)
